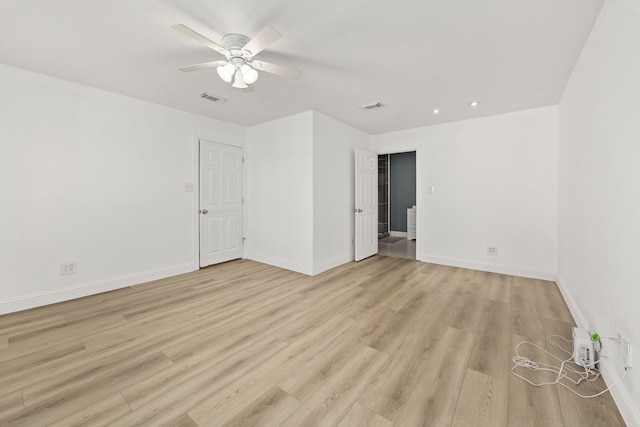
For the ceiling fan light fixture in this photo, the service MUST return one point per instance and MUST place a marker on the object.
(249, 75)
(238, 81)
(239, 67)
(226, 71)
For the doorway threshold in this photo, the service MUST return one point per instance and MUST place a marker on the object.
(401, 248)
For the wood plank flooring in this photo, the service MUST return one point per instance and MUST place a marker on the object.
(383, 342)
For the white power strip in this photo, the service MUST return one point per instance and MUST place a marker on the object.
(583, 353)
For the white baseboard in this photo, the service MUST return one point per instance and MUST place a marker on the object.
(575, 310)
(623, 401)
(398, 233)
(309, 271)
(317, 269)
(276, 262)
(86, 289)
(494, 268)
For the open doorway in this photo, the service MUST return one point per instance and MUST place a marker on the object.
(396, 204)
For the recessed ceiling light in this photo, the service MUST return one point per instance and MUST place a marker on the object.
(473, 104)
(436, 110)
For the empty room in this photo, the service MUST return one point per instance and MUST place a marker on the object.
(195, 229)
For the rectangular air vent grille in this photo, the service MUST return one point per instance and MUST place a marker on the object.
(210, 97)
(371, 106)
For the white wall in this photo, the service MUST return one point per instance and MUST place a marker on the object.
(279, 162)
(334, 190)
(599, 190)
(97, 178)
(301, 191)
(495, 181)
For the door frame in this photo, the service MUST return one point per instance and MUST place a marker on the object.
(195, 181)
(419, 204)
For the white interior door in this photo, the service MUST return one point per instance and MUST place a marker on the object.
(366, 206)
(220, 203)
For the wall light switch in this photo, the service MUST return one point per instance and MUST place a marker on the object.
(188, 187)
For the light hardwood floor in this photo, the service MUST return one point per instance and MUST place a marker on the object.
(383, 342)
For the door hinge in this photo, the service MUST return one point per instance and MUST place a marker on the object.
(242, 159)
(242, 199)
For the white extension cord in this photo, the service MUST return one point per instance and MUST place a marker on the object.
(563, 372)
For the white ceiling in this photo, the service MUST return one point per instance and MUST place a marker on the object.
(410, 55)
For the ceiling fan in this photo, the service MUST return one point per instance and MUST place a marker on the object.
(240, 67)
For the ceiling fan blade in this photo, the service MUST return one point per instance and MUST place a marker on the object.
(203, 66)
(264, 38)
(278, 70)
(188, 32)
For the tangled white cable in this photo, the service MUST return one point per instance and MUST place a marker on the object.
(563, 372)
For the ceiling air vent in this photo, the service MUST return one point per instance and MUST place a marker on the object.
(371, 106)
(212, 98)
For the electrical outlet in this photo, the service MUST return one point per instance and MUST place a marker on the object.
(625, 350)
(492, 250)
(67, 268)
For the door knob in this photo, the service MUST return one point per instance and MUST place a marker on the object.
(204, 211)
(357, 210)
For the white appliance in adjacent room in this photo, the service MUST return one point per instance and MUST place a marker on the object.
(411, 223)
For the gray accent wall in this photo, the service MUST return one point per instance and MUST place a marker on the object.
(402, 188)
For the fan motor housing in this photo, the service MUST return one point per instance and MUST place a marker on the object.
(234, 43)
